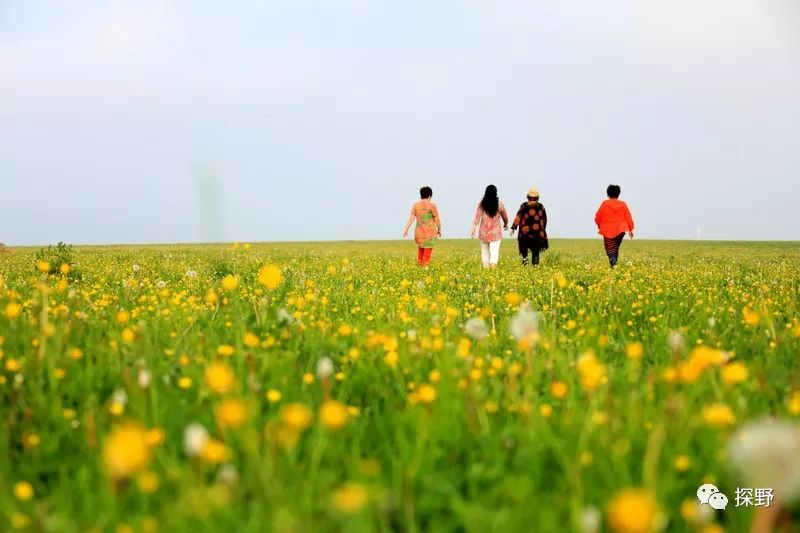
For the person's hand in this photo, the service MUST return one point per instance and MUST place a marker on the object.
(630, 234)
(512, 233)
(405, 234)
(472, 234)
(439, 233)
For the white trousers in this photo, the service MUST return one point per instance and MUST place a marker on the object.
(490, 253)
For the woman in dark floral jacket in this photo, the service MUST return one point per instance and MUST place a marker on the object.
(531, 220)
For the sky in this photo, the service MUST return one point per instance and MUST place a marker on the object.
(196, 121)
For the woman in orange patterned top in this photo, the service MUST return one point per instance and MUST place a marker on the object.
(429, 226)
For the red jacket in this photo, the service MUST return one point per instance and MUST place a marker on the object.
(613, 217)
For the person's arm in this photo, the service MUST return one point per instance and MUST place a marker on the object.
(517, 221)
(598, 217)
(504, 215)
(476, 221)
(629, 219)
(544, 218)
(411, 218)
(437, 219)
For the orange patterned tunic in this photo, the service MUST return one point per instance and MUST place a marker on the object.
(427, 229)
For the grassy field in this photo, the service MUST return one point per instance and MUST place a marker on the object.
(338, 387)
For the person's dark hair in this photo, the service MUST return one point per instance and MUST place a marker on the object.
(425, 193)
(613, 191)
(490, 202)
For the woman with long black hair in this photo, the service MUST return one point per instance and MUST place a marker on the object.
(490, 220)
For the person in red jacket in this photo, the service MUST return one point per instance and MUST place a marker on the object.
(613, 220)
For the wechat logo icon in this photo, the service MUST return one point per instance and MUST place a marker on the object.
(709, 494)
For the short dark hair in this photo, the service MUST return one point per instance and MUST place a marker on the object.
(613, 191)
(425, 192)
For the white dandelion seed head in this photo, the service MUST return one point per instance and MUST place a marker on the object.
(191, 274)
(324, 368)
(120, 397)
(227, 474)
(525, 323)
(160, 284)
(411, 334)
(135, 267)
(590, 519)
(766, 453)
(675, 340)
(476, 328)
(144, 378)
(195, 438)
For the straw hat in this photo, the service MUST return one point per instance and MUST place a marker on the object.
(533, 192)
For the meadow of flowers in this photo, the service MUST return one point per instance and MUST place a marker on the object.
(339, 387)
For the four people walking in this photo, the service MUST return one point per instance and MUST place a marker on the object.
(613, 220)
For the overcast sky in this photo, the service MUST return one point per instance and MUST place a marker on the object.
(180, 121)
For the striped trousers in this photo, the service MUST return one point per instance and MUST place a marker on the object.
(612, 245)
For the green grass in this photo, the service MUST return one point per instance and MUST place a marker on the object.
(483, 456)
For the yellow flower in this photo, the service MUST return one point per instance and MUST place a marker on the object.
(558, 389)
(43, 266)
(345, 330)
(123, 316)
(681, 463)
(20, 521)
(513, 299)
(733, 373)
(219, 377)
(13, 310)
(127, 335)
(225, 350)
(794, 403)
(391, 359)
(308, 378)
(751, 318)
(591, 371)
(125, 451)
(230, 282)
(154, 437)
(545, 410)
(214, 452)
(426, 393)
(12, 365)
(296, 416)
(270, 276)
(274, 396)
(184, 382)
(231, 413)
(333, 414)
(632, 511)
(634, 350)
(23, 491)
(349, 498)
(64, 268)
(147, 482)
(718, 415)
(251, 340)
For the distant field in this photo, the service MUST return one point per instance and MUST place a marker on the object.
(338, 387)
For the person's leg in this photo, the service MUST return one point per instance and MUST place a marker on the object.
(523, 251)
(535, 255)
(485, 254)
(610, 246)
(618, 243)
(428, 253)
(494, 253)
(420, 256)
